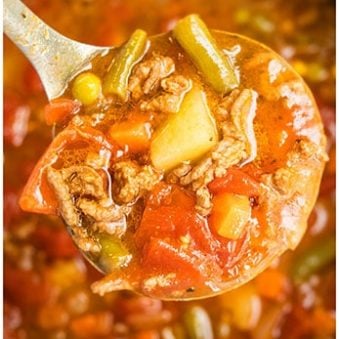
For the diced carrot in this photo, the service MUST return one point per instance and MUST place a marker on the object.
(272, 284)
(230, 214)
(235, 181)
(58, 110)
(136, 135)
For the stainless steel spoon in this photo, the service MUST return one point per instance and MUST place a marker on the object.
(56, 58)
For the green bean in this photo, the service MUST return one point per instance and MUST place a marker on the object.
(313, 259)
(113, 254)
(198, 323)
(195, 38)
(116, 80)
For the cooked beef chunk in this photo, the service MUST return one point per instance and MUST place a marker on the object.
(147, 75)
(130, 180)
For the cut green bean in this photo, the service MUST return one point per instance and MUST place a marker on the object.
(116, 80)
(195, 38)
(313, 259)
(113, 254)
(198, 323)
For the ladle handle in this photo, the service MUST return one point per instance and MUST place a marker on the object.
(56, 58)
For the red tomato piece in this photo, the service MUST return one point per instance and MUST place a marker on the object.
(37, 196)
(170, 213)
(162, 257)
(235, 181)
(59, 110)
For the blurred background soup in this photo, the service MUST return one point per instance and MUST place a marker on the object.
(46, 281)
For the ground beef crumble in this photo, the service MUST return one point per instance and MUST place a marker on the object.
(80, 192)
(169, 100)
(130, 180)
(146, 76)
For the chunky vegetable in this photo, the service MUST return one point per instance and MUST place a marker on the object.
(116, 80)
(187, 135)
(37, 196)
(113, 253)
(86, 88)
(235, 181)
(313, 259)
(195, 38)
(59, 110)
(135, 134)
(230, 214)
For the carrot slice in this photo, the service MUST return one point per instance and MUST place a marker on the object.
(58, 110)
(136, 135)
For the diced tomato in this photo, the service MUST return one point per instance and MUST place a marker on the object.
(162, 257)
(37, 196)
(135, 134)
(59, 110)
(166, 195)
(235, 181)
(170, 213)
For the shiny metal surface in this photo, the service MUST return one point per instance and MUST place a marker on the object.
(56, 58)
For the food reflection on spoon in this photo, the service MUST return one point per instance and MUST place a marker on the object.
(184, 163)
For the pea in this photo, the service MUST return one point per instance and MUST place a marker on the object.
(86, 88)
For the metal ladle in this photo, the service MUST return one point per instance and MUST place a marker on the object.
(57, 59)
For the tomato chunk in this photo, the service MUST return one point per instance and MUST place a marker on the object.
(170, 213)
(235, 181)
(164, 258)
(37, 196)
